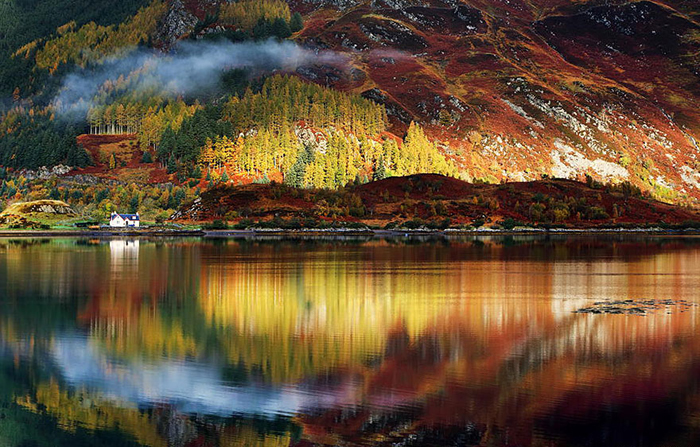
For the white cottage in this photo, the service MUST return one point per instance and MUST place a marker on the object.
(124, 220)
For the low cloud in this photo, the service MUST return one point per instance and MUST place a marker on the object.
(190, 68)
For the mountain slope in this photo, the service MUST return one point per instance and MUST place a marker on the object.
(510, 89)
(521, 89)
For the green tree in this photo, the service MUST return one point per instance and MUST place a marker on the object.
(134, 204)
(297, 22)
(297, 173)
(380, 169)
(172, 165)
(280, 28)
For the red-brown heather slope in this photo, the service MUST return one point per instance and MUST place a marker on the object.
(514, 89)
(433, 198)
(128, 156)
(517, 89)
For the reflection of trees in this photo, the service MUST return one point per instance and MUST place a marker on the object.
(461, 340)
(75, 410)
(590, 375)
(81, 409)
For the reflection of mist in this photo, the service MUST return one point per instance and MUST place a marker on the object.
(480, 332)
(187, 386)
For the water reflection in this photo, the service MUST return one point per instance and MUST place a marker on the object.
(343, 342)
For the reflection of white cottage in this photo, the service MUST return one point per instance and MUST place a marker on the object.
(125, 258)
(124, 220)
(124, 249)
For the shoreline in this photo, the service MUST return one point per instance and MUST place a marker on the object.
(342, 232)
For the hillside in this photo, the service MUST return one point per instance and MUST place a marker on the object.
(523, 88)
(485, 91)
(120, 157)
(435, 201)
(36, 214)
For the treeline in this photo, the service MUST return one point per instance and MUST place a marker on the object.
(91, 42)
(266, 121)
(309, 135)
(148, 119)
(340, 159)
(261, 18)
(285, 100)
(180, 148)
(31, 140)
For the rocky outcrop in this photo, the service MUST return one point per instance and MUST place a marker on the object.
(39, 207)
(340, 4)
(176, 23)
(46, 172)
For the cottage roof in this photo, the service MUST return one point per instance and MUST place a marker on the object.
(127, 216)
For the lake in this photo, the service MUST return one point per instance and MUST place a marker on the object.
(493, 341)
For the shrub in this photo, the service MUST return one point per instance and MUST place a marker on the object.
(231, 215)
(536, 211)
(293, 224)
(359, 211)
(217, 224)
(509, 223)
(310, 222)
(597, 213)
(161, 217)
(244, 224)
(560, 214)
(413, 224)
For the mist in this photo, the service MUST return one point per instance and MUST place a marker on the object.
(189, 69)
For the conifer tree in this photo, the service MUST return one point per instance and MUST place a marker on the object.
(172, 165)
(296, 23)
(280, 28)
(380, 169)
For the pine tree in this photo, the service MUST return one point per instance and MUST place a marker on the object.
(280, 28)
(380, 170)
(297, 173)
(134, 204)
(78, 156)
(297, 23)
(167, 144)
(172, 165)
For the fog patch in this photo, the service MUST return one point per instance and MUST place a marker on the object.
(190, 68)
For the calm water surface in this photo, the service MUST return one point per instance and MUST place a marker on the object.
(348, 342)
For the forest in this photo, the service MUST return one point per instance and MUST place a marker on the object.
(250, 128)
(301, 133)
(25, 21)
(308, 135)
(96, 201)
